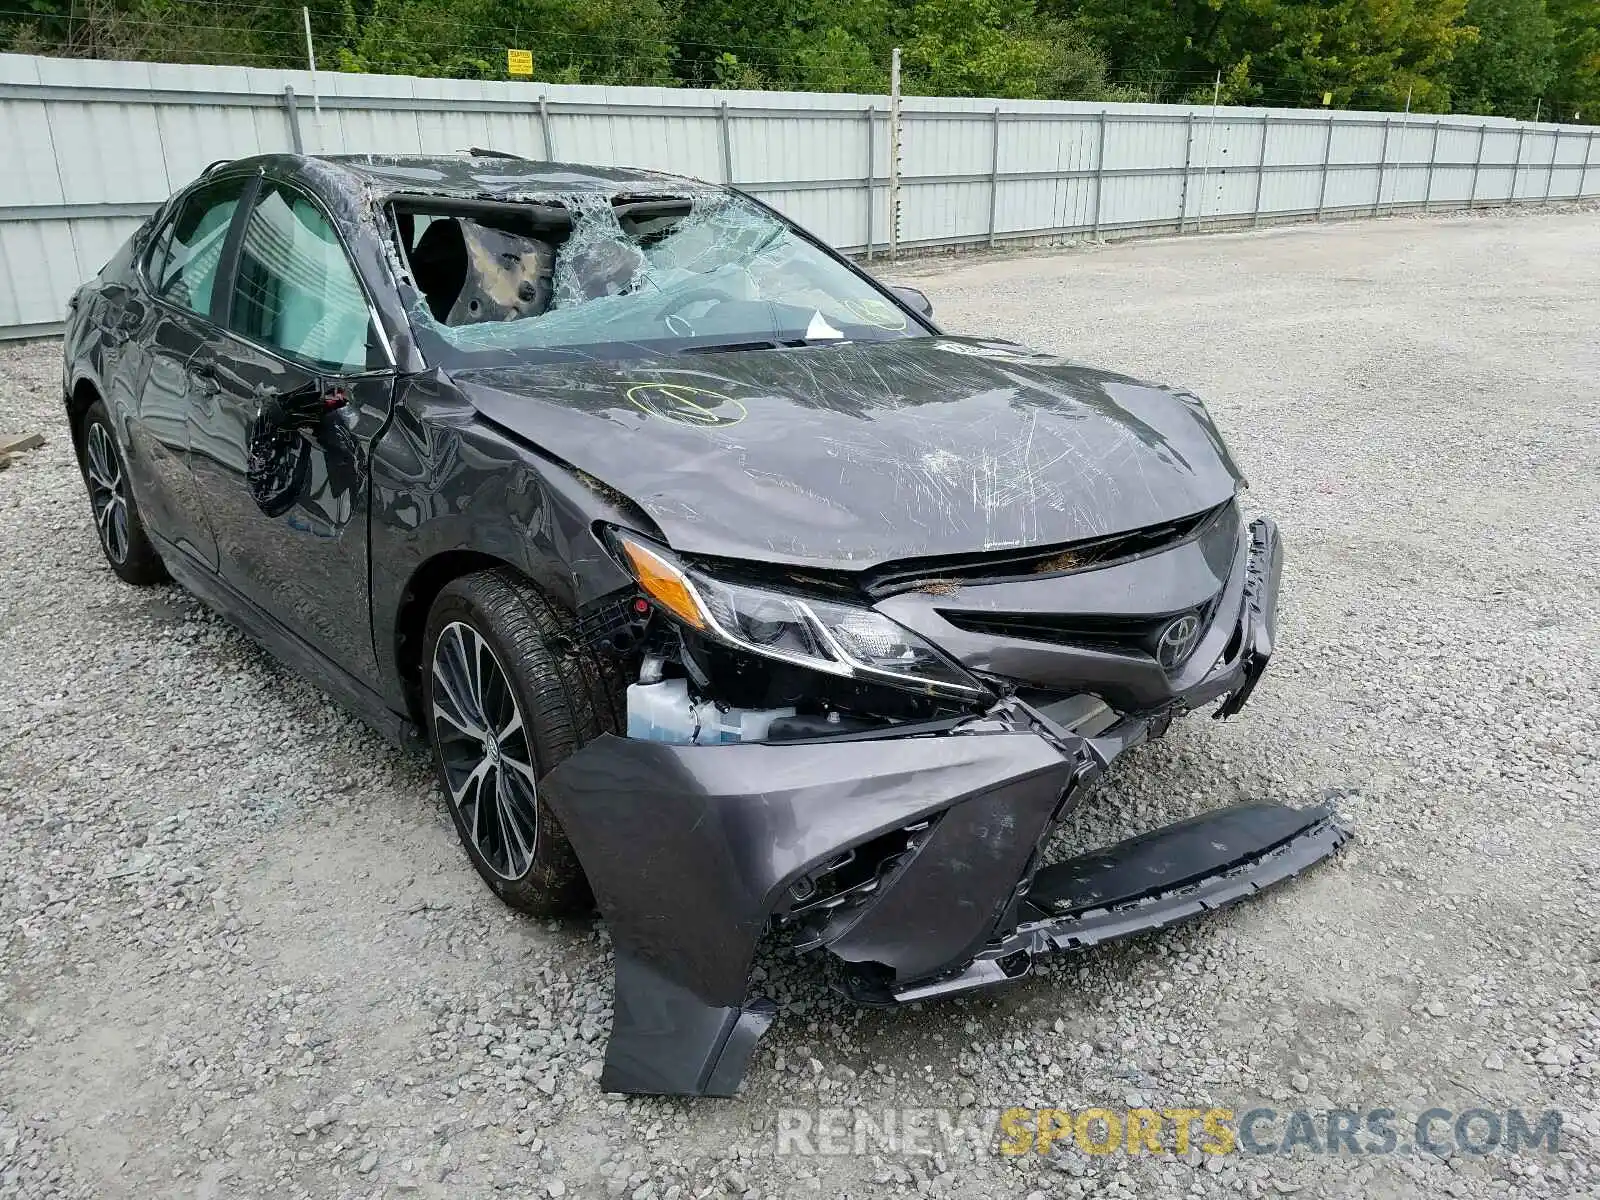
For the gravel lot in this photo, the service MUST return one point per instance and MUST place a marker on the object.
(241, 953)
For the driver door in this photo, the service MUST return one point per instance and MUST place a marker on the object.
(291, 398)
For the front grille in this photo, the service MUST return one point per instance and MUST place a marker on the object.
(1116, 634)
(939, 575)
(1112, 634)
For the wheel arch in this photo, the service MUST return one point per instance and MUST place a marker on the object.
(430, 577)
(85, 392)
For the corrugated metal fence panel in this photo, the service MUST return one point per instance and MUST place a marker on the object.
(92, 147)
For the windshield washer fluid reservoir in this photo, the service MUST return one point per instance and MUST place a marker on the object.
(664, 712)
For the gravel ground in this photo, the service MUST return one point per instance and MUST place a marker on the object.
(242, 955)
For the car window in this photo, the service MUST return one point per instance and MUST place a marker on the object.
(183, 262)
(296, 290)
(721, 270)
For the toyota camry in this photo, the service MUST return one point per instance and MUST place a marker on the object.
(729, 594)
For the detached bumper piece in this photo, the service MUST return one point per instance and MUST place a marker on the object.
(914, 857)
(1146, 883)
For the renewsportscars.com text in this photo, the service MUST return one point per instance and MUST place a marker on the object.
(1179, 1130)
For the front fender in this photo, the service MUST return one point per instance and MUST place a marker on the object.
(446, 482)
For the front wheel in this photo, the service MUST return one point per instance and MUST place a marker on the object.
(506, 697)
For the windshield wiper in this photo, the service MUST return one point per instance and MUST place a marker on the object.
(733, 347)
(765, 344)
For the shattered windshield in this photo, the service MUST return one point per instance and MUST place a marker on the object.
(593, 275)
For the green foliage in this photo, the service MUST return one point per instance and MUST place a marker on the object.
(1492, 56)
(1577, 85)
(592, 41)
(1511, 64)
(1367, 53)
(998, 48)
(840, 60)
(151, 30)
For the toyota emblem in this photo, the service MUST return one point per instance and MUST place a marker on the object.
(1176, 640)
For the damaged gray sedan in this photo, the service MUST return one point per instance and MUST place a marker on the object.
(729, 593)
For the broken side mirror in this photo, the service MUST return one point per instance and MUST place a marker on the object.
(914, 299)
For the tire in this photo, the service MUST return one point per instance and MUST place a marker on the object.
(554, 697)
(116, 515)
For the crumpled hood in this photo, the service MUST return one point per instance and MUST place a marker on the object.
(848, 456)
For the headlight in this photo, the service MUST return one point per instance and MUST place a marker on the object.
(841, 639)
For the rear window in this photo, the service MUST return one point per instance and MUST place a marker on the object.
(186, 255)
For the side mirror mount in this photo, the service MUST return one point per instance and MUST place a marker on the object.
(914, 299)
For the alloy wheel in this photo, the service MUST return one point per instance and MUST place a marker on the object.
(107, 492)
(484, 749)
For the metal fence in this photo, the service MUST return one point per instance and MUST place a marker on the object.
(92, 147)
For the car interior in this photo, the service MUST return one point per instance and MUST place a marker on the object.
(479, 261)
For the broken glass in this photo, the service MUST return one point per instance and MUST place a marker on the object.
(724, 272)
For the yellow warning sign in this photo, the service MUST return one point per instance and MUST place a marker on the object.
(519, 62)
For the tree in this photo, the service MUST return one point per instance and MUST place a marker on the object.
(1494, 56)
(572, 41)
(841, 61)
(998, 48)
(1368, 53)
(194, 31)
(1511, 63)
(1577, 81)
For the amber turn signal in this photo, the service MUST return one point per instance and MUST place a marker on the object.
(663, 583)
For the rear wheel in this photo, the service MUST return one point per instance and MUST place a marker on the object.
(116, 518)
(508, 694)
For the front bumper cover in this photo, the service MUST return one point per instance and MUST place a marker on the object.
(691, 850)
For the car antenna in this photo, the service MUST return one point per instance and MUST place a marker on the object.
(480, 152)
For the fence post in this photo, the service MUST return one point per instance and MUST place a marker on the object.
(1261, 171)
(1099, 173)
(1188, 157)
(872, 181)
(894, 154)
(1516, 170)
(994, 174)
(1383, 161)
(1588, 153)
(293, 114)
(724, 147)
(1477, 164)
(1327, 157)
(1550, 174)
(544, 130)
(1433, 153)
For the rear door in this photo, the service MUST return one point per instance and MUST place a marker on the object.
(160, 344)
(300, 386)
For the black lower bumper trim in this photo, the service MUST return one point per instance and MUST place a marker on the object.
(1167, 859)
(1139, 885)
(1159, 908)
